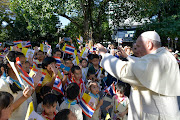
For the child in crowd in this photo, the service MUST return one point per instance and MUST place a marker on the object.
(6, 100)
(119, 103)
(37, 63)
(65, 114)
(28, 65)
(77, 78)
(99, 72)
(84, 65)
(94, 93)
(44, 91)
(49, 106)
(10, 83)
(72, 91)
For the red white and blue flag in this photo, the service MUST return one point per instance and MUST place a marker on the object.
(58, 85)
(5, 50)
(79, 42)
(0, 43)
(58, 61)
(110, 90)
(28, 44)
(17, 42)
(24, 75)
(69, 49)
(86, 108)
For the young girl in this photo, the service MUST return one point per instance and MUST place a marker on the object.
(97, 103)
(10, 83)
(84, 64)
(119, 103)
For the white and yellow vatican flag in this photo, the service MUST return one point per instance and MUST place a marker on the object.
(31, 114)
(28, 52)
(44, 47)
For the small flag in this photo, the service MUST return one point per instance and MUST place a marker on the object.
(58, 85)
(69, 49)
(30, 109)
(86, 108)
(58, 61)
(81, 39)
(84, 52)
(24, 75)
(44, 47)
(34, 71)
(28, 52)
(17, 42)
(0, 43)
(79, 42)
(19, 45)
(110, 90)
(27, 44)
(77, 60)
(5, 50)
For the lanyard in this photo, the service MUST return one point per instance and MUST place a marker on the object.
(119, 103)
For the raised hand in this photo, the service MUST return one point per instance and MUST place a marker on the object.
(54, 69)
(122, 52)
(37, 77)
(101, 49)
(27, 92)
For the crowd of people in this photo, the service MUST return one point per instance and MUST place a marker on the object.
(92, 74)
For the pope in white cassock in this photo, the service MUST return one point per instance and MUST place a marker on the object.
(154, 78)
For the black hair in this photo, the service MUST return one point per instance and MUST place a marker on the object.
(90, 72)
(56, 50)
(11, 55)
(95, 56)
(75, 67)
(67, 59)
(90, 56)
(49, 99)
(44, 90)
(72, 91)
(62, 114)
(5, 100)
(83, 59)
(47, 61)
(121, 87)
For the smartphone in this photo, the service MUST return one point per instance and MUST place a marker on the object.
(67, 39)
(62, 66)
(67, 69)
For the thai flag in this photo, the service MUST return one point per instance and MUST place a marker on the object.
(86, 108)
(69, 49)
(24, 75)
(110, 90)
(0, 44)
(35, 71)
(17, 42)
(58, 85)
(28, 44)
(78, 52)
(58, 61)
(5, 50)
(79, 42)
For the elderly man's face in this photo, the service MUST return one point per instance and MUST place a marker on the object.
(141, 48)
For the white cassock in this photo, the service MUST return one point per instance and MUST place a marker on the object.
(155, 81)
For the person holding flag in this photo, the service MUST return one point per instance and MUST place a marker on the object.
(11, 82)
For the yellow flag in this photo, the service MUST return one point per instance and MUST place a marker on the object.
(77, 60)
(75, 52)
(24, 50)
(41, 47)
(86, 97)
(64, 47)
(82, 51)
(107, 116)
(19, 45)
(30, 109)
